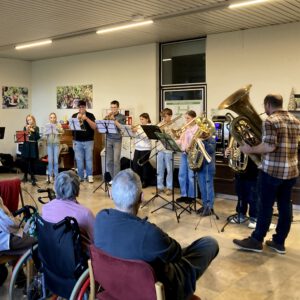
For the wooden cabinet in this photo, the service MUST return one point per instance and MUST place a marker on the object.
(67, 157)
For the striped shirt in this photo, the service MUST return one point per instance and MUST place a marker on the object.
(282, 130)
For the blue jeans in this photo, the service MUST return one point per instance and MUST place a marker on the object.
(186, 178)
(206, 184)
(246, 191)
(84, 154)
(113, 156)
(164, 161)
(53, 153)
(271, 189)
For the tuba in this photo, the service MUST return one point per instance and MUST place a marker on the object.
(247, 127)
(197, 151)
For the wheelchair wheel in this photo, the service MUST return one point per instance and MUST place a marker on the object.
(81, 288)
(32, 281)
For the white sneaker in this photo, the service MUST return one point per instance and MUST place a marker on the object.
(252, 225)
(111, 182)
(90, 179)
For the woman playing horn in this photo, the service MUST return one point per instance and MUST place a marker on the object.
(142, 151)
(185, 174)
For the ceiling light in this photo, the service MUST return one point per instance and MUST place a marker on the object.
(33, 44)
(240, 4)
(125, 26)
(167, 59)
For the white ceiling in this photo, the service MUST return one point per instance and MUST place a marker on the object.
(72, 23)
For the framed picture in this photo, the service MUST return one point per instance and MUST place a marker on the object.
(297, 101)
(14, 97)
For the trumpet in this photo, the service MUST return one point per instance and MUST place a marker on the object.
(110, 116)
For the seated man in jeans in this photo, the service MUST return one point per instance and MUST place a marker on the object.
(121, 233)
(12, 239)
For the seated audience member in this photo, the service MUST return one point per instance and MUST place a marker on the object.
(121, 233)
(12, 239)
(65, 205)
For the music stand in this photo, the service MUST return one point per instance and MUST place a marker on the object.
(169, 144)
(127, 132)
(2, 131)
(150, 131)
(21, 136)
(105, 126)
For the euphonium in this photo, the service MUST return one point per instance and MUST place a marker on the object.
(237, 160)
(247, 127)
(197, 151)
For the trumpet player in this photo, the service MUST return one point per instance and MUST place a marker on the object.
(114, 140)
(83, 142)
(30, 151)
(142, 151)
(164, 157)
(53, 142)
(185, 174)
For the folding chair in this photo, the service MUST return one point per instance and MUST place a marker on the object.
(123, 279)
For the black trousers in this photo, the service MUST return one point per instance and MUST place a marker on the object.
(144, 171)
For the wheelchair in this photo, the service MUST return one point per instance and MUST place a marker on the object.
(56, 265)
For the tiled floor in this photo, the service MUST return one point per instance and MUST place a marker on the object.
(234, 274)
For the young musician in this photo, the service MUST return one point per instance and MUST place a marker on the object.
(164, 157)
(83, 142)
(53, 141)
(206, 178)
(142, 151)
(114, 140)
(185, 174)
(30, 151)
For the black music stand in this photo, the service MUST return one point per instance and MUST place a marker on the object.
(171, 145)
(127, 132)
(150, 131)
(105, 126)
(2, 131)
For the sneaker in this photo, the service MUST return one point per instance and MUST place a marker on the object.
(252, 225)
(110, 183)
(276, 247)
(90, 179)
(238, 219)
(249, 244)
(168, 192)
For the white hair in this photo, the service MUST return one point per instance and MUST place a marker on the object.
(67, 185)
(126, 189)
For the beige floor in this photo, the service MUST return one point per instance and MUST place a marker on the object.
(234, 274)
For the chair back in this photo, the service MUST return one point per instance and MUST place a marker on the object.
(122, 279)
(60, 253)
(10, 191)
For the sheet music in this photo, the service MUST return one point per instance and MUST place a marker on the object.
(74, 124)
(168, 142)
(106, 126)
(127, 131)
(50, 129)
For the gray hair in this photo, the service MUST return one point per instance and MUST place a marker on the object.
(126, 189)
(67, 185)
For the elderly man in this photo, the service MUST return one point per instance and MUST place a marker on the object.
(121, 233)
(279, 149)
(65, 205)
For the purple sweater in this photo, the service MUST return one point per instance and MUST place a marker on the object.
(58, 209)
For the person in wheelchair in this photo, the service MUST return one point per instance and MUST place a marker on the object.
(13, 241)
(121, 233)
(67, 187)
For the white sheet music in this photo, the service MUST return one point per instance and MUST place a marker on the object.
(51, 129)
(127, 131)
(106, 126)
(74, 124)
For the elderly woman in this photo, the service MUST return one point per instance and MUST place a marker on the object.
(65, 205)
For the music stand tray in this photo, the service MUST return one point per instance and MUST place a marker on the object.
(2, 131)
(21, 136)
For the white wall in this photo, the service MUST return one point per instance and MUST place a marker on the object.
(267, 58)
(13, 73)
(128, 75)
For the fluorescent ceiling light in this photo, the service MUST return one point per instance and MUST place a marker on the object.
(125, 26)
(167, 59)
(240, 4)
(34, 44)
